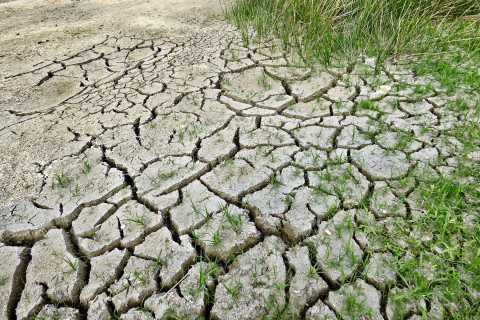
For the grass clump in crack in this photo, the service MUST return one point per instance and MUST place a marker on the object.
(325, 30)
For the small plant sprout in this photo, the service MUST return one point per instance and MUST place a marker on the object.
(196, 237)
(207, 216)
(140, 220)
(275, 181)
(263, 82)
(61, 181)
(297, 172)
(235, 221)
(233, 290)
(95, 237)
(312, 271)
(288, 200)
(141, 275)
(3, 281)
(159, 261)
(76, 192)
(86, 167)
(72, 265)
(216, 238)
(194, 207)
(161, 176)
(225, 80)
(256, 279)
(194, 163)
(226, 162)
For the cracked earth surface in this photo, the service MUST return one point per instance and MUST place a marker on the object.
(140, 160)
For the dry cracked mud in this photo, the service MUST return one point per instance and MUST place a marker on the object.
(185, 174)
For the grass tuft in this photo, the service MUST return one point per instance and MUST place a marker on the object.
(329, 31)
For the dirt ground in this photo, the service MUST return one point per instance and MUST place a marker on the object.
(35, 33)
(154, 165)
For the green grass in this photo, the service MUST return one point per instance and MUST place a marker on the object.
(437, 41)
(452, 71)
(3, 281)
(339, 31)
(456, 271)
(450, 275)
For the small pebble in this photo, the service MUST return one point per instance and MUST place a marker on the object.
(385, 88)
(370, 61)
(328, 232)
(437, 250)
(425, 239)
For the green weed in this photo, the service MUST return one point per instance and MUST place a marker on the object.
(325, 30)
